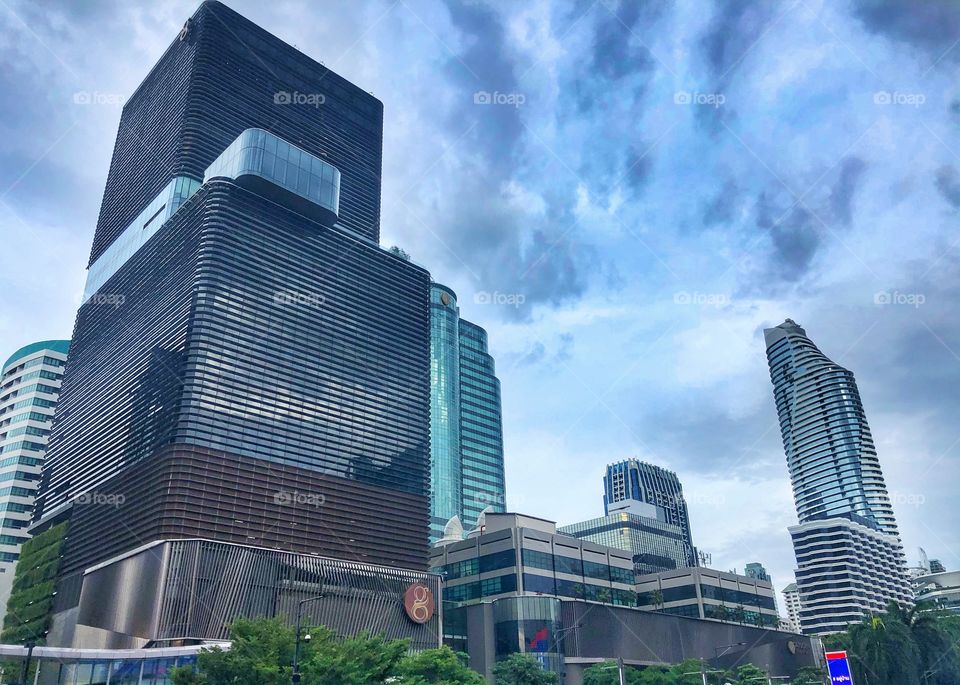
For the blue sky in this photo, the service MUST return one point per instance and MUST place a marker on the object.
(624, 195)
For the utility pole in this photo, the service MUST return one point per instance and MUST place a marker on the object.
(623, 676)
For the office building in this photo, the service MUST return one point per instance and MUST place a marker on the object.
(849, 555)
(936, 566)
(939, 590)
(521, 586)
(708, 594)
(791, 602)
(755, 570)
(466, 424)
(29, 387)
(263, 376)
(653, 545)
(650, 491)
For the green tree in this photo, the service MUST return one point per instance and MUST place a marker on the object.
(883, 652)
(361, 660)
(260, 654)
(656, 597)
(438, 666)
(748, 674)
(522, 669)
(607, 673)
(809, 676)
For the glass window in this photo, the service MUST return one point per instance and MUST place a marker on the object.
(534, 583)
(568, 565)
(593, 569)
(537, 559)
(498, 560)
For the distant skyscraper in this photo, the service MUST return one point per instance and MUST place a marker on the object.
(466, 426)
(841, 499)
(29, 387)
(936, 566)
(648, 490)
(755, 570)
(249, 368)
(791, 600)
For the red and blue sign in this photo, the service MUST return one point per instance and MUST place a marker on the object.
(540, 640)
(839, 668)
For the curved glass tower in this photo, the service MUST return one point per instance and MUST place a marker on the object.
(830, 452)
(850, 559)
(446, 495)
(466, 423)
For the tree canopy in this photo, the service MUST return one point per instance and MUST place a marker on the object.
(261, 653)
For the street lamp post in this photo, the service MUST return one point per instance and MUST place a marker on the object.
(295, 676)
(702, 672)
(25, 671)
(726, 648)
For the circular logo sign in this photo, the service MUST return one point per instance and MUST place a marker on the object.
(445, 298)
(418, 602)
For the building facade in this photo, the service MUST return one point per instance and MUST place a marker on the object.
(939, 589)
(521, 586)
(466, 422)
(250, 366)
(648, 490)
(654, 545)
(791, 603)
(849, 555)
(708, 594)
(29, 387)
(756, 570)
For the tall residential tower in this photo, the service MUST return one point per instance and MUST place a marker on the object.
(849, 556)
(466, 424)
(29, 387)
(244, 419)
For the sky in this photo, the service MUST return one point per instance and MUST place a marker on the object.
(624, 194)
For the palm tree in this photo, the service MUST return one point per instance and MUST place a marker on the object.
(939, 661)
(657, 598)
(884, 652)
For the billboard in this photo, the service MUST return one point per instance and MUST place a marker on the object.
(839, 668)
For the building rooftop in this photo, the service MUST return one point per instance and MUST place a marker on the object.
(60, 346)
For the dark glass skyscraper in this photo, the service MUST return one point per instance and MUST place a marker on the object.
(648, 490)
(850, 559)
(466, 438)
(249, 365)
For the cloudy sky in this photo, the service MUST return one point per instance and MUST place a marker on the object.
(624, 195)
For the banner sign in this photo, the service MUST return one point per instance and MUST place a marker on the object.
(839, 668)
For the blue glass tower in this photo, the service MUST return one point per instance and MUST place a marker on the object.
(850, 559)
(466, 424)
(446, 472)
